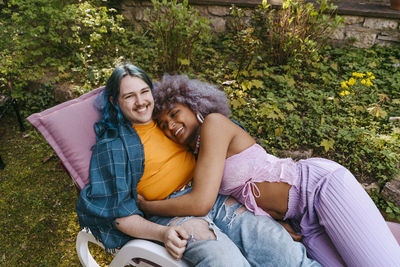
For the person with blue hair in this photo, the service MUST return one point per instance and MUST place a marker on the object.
(132, 156)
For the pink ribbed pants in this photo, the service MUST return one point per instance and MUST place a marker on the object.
(341, 225)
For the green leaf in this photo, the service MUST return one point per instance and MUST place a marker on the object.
(245, 73)
(291, 81)
(246, 85)
(235, 103)
(358, 108)
(258, 84)
(278, 131)
(327, 144)
(396, 101)
(257, 73)
(185, 62)
(289, 106)
(377, 111)
(396, 209)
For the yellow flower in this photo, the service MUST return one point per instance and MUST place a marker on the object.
(358, 75)
(363, 81)
(344, 85)
(369, 73)
(343, 93)
(352, 81)
(372, 77)
(369, 83)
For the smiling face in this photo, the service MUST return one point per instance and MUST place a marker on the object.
(136, 100)
(179, 124)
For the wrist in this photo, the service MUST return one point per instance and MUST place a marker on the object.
(161, 233)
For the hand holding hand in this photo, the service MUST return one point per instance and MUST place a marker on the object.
(175, 240)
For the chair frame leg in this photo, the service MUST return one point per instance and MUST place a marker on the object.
(16, 109)
(14, 103)
(2, 165)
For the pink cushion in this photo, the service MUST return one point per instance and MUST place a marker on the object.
(68, 128)
(395, 228)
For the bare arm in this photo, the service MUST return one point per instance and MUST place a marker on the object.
(173, 237)
(217, 134)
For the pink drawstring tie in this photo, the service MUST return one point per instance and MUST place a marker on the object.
(250, 186)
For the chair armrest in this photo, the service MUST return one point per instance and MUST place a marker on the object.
(144, 249)
(82, 249)
(137, 248)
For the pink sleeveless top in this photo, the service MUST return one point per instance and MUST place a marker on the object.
(252, 165)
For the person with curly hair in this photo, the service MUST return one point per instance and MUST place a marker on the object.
(339, 223)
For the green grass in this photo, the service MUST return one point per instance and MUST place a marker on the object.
(37, 200)
(37, 203)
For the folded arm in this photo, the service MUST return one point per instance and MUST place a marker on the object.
(174, 237)
(216, 134)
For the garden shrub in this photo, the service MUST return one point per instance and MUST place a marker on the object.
(244, 45)
(288, 35)
(386, 207)
(297, 31)
(310, 110)
(178, 31)
(78, 41)
(325, 106)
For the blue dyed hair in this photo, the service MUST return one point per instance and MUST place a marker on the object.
(112, 114)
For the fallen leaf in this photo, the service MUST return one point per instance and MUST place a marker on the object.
(49, 157)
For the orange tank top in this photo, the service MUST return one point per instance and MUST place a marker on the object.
(168, 166)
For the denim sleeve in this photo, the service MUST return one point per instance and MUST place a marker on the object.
(238, 124)
(110, 194)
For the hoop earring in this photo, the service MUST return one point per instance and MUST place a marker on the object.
(200, 118)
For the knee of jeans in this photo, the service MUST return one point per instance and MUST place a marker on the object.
(230, 201)
(239, 207)
(198, 229)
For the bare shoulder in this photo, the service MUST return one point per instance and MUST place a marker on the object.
(216, 118)
(217, 123)
(219, 130)
(220, 121)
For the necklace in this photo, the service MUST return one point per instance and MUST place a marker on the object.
(200, 118)
(197, 147)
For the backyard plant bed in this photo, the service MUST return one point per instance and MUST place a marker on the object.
(295, 94)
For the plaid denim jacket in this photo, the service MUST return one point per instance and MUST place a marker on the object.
(117, 164)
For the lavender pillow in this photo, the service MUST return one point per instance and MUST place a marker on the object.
(68, 128)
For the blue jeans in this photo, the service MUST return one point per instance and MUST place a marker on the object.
(240, 238)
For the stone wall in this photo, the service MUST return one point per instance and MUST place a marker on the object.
(365, 24)
(368, 24)
(368, 31)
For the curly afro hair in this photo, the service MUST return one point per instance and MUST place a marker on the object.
(200, 97)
